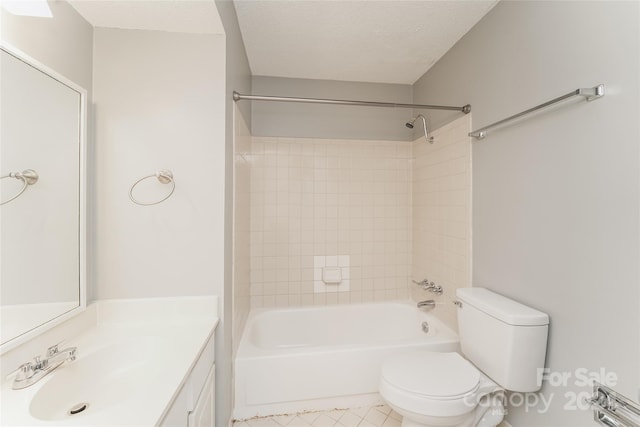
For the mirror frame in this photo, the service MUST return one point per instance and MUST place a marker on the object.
(82, 198)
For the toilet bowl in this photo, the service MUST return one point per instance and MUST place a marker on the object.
(439, 389)
(504, 345)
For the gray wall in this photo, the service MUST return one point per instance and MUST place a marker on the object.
(238, 77)
(555, 196)
(330, 121)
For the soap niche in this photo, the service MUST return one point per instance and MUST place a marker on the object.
(331, 273)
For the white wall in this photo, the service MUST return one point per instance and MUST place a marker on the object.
(63, 42)
(159, 105)
(555, 196)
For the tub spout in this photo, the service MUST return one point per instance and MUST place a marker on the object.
(428, 304)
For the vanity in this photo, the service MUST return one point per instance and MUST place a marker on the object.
(142, 362)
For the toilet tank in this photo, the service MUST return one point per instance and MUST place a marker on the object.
(503, 338)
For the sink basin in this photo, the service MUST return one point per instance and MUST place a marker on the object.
(133, 358)
(91, 384)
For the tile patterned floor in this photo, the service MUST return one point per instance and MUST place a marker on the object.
(376, 416)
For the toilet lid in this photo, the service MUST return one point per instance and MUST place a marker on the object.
(437, 375)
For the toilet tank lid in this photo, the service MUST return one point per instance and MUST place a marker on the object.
(502, 308)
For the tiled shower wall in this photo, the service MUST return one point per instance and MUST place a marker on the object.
(329, 198)
(241, 224)
(441, 226)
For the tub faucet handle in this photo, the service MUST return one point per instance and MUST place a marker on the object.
(429, 286)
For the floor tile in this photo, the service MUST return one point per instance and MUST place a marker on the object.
(324, 421)
(395, 415)
(309, 417)
(336, 414)
(384, 409)
(391, 422)
(375, 416)
(284, 420)
(297, 422)
(361, 412)
(350, 419)
(262, 422)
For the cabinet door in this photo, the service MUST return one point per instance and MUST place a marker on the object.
(204, 412)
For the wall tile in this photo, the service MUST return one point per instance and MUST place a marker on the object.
(330, 198)
(244, 240)
(441, 225)
(398, 210)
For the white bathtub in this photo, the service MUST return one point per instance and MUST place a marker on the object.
(318, 358)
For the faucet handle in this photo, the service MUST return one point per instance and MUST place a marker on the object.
(72, 354)
(24, 371)
(53, 350)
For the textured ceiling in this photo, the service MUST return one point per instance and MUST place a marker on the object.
(183, 16)
(385, 41)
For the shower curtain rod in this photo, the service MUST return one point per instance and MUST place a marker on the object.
(239, 97)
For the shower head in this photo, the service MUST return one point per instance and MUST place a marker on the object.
(410, 123)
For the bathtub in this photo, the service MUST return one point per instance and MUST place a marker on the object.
(318, 358)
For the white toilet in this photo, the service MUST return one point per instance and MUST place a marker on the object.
(504, 345)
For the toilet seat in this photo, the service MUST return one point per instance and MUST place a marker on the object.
(429, 383)
(434, 375)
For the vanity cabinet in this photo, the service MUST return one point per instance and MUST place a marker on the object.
(204, 411)
(194, 406)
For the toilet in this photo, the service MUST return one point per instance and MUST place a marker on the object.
(503, 345)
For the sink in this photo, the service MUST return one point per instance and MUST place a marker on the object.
(133, 357)
(90, 384)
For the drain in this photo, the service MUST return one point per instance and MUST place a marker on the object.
(76, 409)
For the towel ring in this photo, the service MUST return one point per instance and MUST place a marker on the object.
(164, 176)
(27, 176)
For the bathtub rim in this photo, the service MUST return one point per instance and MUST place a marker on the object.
(247, 349)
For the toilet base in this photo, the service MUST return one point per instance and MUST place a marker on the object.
(489, 413)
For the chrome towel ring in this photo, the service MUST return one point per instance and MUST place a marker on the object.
(27, 176)
(164, 176)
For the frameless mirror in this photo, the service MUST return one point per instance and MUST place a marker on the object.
(42, 184)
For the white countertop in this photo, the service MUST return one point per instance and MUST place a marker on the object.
(144, 350)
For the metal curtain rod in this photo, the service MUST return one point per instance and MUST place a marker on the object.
(590, 93)
(239, 97)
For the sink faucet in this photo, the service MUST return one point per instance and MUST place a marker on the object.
(31, 372)
(429, 304)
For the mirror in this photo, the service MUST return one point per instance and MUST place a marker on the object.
(42, 211)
